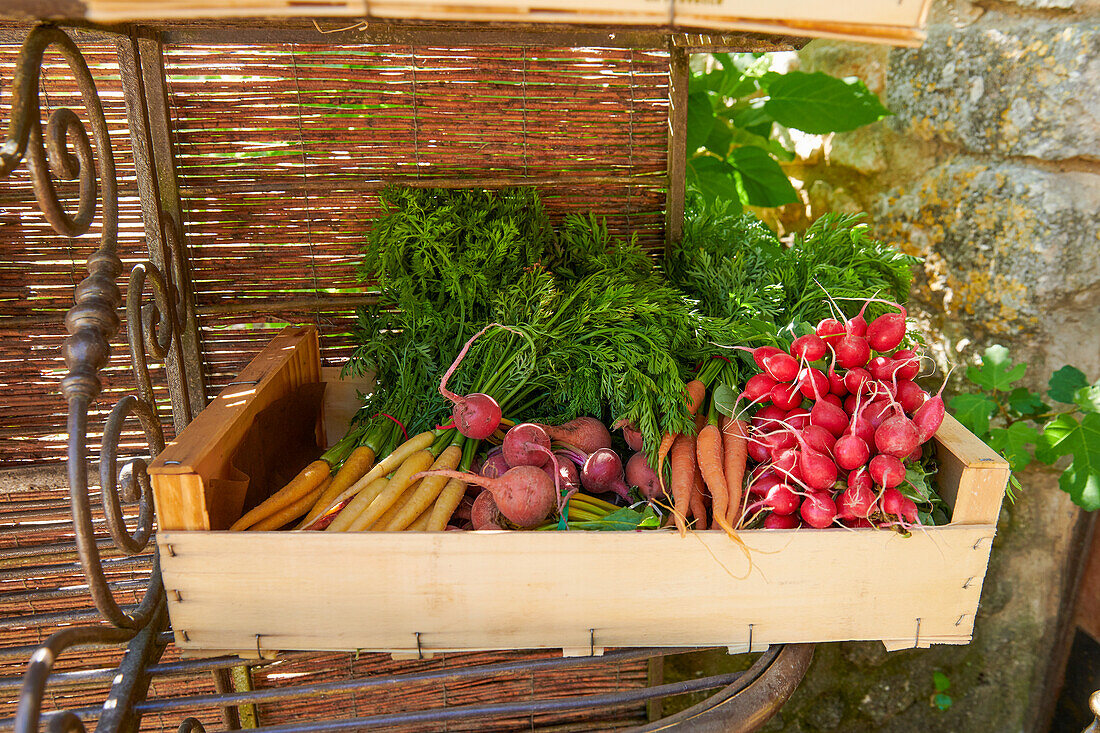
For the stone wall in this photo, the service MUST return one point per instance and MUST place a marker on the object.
(990, 171)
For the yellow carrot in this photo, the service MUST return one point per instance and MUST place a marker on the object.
(304, 483)
(419, 461)
(379, 525)
(421, 522)
(445, 505)
(427, 491)
(361, 501)
(353, 469)
(289, 513)
(387, 465)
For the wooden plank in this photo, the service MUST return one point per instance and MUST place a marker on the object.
(341, 401)
(182, 474)
(678, 76)
(448, 586)
(972, 476)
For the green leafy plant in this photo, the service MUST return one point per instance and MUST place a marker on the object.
(735, 102)
(940, 699)
(1023, 426)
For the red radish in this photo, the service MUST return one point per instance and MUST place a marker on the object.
(484, 513)
(856, 380)
(762, 352)
(894, 502)
(916, 455)
(758, 451)
(897, 436)
(786, 461)
(603, 471)
(759, 387)
(929, 416)
(837, 385)
(851, 351)
(809, 347)
(819, 439)
(494, 465)
(830, 417)
(798, 418)
(829, 329)
(813, 383)
(886, 332)
(850, 404)
(782, 500)
(858, 523)
(886, 471)
(767, 419)
(860, 479)
(856, 502)
(525, 495)
(586, 434)
(857, 325)
(778, 440)
(526, 444)
(781, 367)
(818, 510)
(851, 452)
(910, 396)
(884, 389)
(832, 399)
(764, 483)
(883, 368)
(877, 412)
(786, 396)
(781, 521)
(639, 473)
(909, 363)
(817, 470)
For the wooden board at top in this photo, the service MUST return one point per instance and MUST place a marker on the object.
(512, 590)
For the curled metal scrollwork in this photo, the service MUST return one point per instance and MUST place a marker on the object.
(191, 725)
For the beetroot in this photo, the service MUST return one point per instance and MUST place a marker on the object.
(587, 434)
(781, 521)
(603, 471)
(809, 347)
(893, 502)
(569, 478)
(818, 510)
(851, 452)
(476, 416)
(525, 495)
(484, 514)
(494, 465)
(851, 351)
(897, 436)
(886, 471)
(526, 444)
(633, 437)
(639, 473)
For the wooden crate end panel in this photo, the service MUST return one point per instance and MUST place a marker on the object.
(449, 589)
(179, 501)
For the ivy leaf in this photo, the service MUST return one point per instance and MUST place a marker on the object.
(1024, 402)
(940, 680)
(764, 181)
(1065, 382)
(1065, 436)
(818, 103)
(996, 372)
(1011, 442)
(713, 178)
(1088, 398)
(973, 411)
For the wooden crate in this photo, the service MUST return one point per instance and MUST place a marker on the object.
(257, 592)
(900, 22)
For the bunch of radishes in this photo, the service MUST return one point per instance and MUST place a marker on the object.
(839, 417)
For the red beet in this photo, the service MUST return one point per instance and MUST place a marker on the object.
(484, 514)
(587, 434)
(495, 465)
(639, 473)
(526, 444)
(603, 471)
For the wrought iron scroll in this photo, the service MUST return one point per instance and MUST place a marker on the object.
(65, 152)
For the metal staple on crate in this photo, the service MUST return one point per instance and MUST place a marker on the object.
(419, 651)
(916, 640)
(967, 583)
(591, 642)
(246, 381)
(750, 638)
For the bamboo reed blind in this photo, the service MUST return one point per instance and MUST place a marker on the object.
(281, 149)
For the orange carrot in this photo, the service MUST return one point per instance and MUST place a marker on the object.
(682, 463)
(709, 455)
(696, 392)
(735, 448)
(697, 503)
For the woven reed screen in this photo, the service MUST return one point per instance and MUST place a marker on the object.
(282, 148)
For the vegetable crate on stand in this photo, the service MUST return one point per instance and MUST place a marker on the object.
(414, 592)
